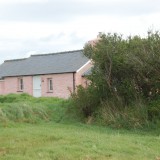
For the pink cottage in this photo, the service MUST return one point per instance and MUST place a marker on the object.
(46, 75)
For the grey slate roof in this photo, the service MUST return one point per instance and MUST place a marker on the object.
(87, 73)
(62, 62)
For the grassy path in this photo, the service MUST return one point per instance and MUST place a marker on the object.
(53, 141)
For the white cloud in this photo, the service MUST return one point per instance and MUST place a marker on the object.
(5, 2)
(56, 26)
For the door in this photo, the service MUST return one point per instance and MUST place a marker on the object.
(36, 86)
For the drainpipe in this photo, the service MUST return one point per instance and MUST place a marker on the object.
(74, 87)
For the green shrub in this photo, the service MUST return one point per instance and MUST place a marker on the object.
(85, 101)
(154, 110)
(125, 81)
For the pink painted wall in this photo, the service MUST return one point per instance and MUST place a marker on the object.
(28, 84)
(1, 87)
(62, 83)
(78, 78)
(11, 85)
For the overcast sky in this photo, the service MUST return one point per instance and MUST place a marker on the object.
(48, 26)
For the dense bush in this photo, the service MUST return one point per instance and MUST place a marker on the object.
(85, 101)
(135, 116)
(154, 110)
(125, 79)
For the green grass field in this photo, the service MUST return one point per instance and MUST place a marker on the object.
(39, 129)
(57, 141)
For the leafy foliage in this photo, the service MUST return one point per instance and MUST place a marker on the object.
(85, 101)
(126, 72)
(127, 68)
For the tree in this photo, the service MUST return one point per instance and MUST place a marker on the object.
(126, 69)
(125, 80)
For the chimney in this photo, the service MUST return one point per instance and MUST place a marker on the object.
(94, 41)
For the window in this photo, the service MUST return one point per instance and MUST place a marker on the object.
(50, 85)
(20, 84)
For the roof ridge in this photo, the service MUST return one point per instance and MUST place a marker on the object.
(63, 52)
(20, 59)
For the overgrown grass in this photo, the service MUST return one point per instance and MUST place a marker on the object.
(52, 131)
(25, 108)
(114, 112)
(135, 116)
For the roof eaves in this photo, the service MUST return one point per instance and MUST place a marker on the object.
(37, 74)
(84, 65)
(11, 60)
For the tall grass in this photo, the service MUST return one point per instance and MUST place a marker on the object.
(114, 112)
(135, 116)
(25, 108)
